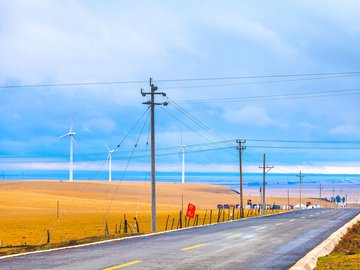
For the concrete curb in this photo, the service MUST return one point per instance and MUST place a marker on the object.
(309, 261)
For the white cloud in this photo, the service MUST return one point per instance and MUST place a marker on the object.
(346, 129)
(99, 125)
(249, 29)
(307, 126)
(69, 41)
(250, 115)
(79, 41)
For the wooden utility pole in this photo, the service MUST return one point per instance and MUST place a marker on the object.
(152, 105)
(240, 147)
(264, 167)
(300, 181)
(320, 195)
(288, 200)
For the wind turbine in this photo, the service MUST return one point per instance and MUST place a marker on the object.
(110, 152)
(71, 134)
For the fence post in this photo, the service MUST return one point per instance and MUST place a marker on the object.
(106, 229)
(167, 220)
(48, 237)
(130, 228)
(120, 227)
(196, 220)
(137, 225)
(210, 215)
(125, 226)
(204, 217)
(172, 223)
(180, 220)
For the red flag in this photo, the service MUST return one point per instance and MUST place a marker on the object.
(190, 213)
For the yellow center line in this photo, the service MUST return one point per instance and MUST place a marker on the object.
(122, 265)
(235, 235)
(280, 223)
(261, 228)
(192, 247)
(291, 220)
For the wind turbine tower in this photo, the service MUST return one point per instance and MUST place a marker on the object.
(183, 164)
(71, 134)
(110, 152)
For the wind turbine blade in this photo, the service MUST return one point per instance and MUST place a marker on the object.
(72, 138)
(179, 150)
(67, 134)
(71, 127)
(107, 147)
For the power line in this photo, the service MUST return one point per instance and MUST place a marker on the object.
(199, 123)
(304, 141)
(257, 82)
(126, 167)
(70, 84)
(325, 75)
(229, 144)
(259, 76)
(314, 94)
(303, 147)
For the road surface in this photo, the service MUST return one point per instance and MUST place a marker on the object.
(270, 242)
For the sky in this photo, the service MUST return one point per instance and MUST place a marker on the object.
(241, 51)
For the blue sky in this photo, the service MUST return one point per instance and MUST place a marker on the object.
(55, 42)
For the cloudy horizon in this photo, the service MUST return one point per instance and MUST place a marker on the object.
(283, 75)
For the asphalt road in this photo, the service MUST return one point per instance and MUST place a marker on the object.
(270, 242)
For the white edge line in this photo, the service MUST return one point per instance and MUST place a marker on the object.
(309, 260)
(132, 237)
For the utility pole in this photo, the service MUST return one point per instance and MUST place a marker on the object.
(240, 147)
(300, 181)
(288, 200)
(264, 167)
(320, 195)
(152, 105)
(346, 200)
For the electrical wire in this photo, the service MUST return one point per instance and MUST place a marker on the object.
(259, 76)
(126, 167)
(313, 94)
(253, 82)
(312, 75)
(198, 122)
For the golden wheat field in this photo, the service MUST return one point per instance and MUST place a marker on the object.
(34, 213)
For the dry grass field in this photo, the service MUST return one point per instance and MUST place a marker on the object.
(80, 210)
(346, 254)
